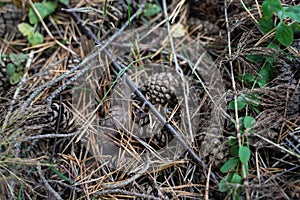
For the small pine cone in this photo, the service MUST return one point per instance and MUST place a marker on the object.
(58, 115)
(161, 88)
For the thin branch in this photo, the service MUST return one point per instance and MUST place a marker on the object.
(47, 136)
(278, 146)
(179, 72)
(47, 84)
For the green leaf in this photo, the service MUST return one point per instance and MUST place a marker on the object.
(240, 119)
(295, 27)
(255, 58)
(15, 78)
(272, 59)
(65, 2)
(35, 38)
(224, 186)
(271, 6)
(244, 154)
(266, 24)
(234, 150)
(292, 12)
(249, 121)
(269, 67)
(25, 28)
(44, 8)
(20, 193)
(61, 175)
(284, 34)
(232, 141)
(151, 9)
(256, 110)
(17, 59)
(264, 74)
(236, 178)
(263, 78)
(248, 78)
(241, 103)
(272, 45)
(10, 69)
(229, 165)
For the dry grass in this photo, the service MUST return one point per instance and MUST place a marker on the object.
(51, 162)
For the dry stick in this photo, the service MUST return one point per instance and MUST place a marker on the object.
(54, 135)
(74, 78)
(137, 91)
(292, 145)
(48, 68)
(173, 131)
(48, 84)
(246, 183)
(207, 185)
(179, 72)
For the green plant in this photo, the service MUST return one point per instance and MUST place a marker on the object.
(33, 37)
(44, 8)
(237, 166)
(247, 101)
(15, 69)
(266, 72)
(288, 25)
(284, 33)
(151, 9)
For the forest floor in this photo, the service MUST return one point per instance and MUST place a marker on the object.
(246, 145)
